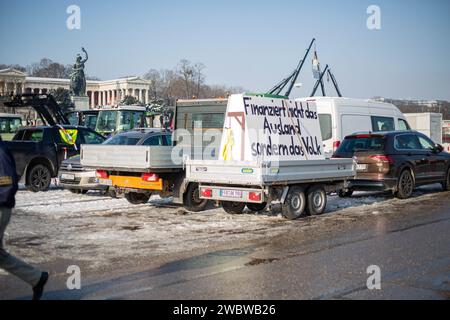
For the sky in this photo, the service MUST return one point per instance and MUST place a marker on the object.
(252, 44)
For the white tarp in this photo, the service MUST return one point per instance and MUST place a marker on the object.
(258, 127)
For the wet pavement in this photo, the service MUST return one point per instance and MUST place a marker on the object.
(323, 257)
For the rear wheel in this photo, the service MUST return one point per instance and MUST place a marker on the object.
(39, 178)
(295, 203)
(446, 183)
(405, 186)
(137, 198)
(316, 200)
(256, 206)
(192, 201)
(233, 207)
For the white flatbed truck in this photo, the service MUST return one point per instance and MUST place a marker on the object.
(258, 165)
(299, 182)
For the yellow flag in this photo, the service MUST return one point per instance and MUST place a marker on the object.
(69, 136)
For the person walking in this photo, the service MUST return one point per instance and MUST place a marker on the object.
(8, 188)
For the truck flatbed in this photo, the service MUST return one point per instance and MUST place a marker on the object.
(269, 173)
(129, 158)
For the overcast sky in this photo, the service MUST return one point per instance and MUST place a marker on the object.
(252, 44)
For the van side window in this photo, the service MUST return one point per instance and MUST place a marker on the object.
(407, 142)
(382, 124)
(403, 125)
(325, 126)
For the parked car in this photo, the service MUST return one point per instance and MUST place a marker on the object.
(39, 151)
(397, 161)
(73, 177)
(340, 117)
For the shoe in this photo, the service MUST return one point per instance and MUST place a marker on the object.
(38, 290)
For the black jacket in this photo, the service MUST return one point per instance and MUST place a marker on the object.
(8, 178)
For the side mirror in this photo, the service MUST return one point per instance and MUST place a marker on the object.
(438, 148)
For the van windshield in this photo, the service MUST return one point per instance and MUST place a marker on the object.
(350, 145)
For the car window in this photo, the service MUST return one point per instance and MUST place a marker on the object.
(403, 125)
(18, 136)
(33, 135)
(154, 141)
(353, 144)
(382, 124)
(123, 140)
(407, 142)
(426, 143)
(325, 126)
(90, 137)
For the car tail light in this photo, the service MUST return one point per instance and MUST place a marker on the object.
(382, 158)
(336, 145)
(150, 177)
(102, 174)
(254, 196)
(206, 193)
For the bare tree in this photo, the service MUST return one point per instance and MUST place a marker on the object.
(199, 77)
(155, 82)
(186, 71)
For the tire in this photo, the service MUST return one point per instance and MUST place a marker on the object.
(405, 185)
(446, 182)
(316, 200)
(233, 207)
(73, 190)
(83, 191)
(256, 206)
(137, 198)
(192, 201)
(39, 178)
(295, 203)
(345, 193)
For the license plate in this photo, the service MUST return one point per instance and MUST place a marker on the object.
(105, 182)
(65, 176)
(361, 167)
(227, 193)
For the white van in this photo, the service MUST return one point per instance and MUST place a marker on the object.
(340, 117)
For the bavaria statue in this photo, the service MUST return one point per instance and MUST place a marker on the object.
(77, 77)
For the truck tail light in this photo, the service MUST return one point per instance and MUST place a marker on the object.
(382, 158)
(150, 177)
(254, 196)
(206, 192)
(336, 144)
(102, 174)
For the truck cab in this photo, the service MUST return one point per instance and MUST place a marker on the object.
(113, 120)
(9, 124)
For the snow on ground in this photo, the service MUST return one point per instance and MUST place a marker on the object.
(98, 229)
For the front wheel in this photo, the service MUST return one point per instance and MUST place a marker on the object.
(137, 198)
(295, 203)
(405, 185)
(316, 200)
(192, 201)
(39, 178)
(233, 207)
